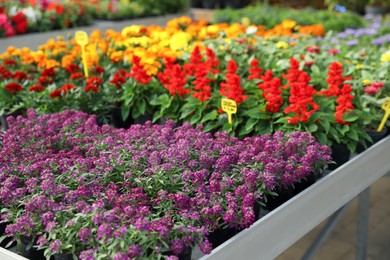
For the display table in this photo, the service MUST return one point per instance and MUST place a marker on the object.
(278, 230)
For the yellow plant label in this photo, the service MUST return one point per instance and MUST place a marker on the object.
(81, 38)
(230, 107)
(386, 107)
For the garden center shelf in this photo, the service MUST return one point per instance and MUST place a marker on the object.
(282, 227)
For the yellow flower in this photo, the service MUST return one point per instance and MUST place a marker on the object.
(212, 29)
(288, 24)
(67, 60)
(116, 56)
(179, 41)
(385, 57)
(282, 45)
(366, 82)
(133, 30)
(359, 66)
(50, 63)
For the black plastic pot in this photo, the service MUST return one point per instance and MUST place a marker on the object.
(283, 196)
(375, 136)
(63, 257)
(220, 235)
(306, 183)
(26, 249)
(340, 155)
(117, 120)
(7, 240)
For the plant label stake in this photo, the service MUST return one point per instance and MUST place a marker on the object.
(82, 40)
(230, 107)
(386, 107)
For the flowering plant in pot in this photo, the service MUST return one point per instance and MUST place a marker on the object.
(95, 191)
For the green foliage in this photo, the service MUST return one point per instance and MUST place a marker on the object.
(271, 16)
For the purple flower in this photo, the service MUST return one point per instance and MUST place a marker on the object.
(55, 245)
(87, 255)
(134, 251)
(121, 256)
(84, 234)
(104, 230)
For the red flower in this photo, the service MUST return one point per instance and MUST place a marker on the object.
(44, 80)
(73, 68)
(138, 72)
(36, 88)
(19, 76)
(212, 62)
(99, 70)
(55, 93)
(254, 70)
(76, 75)
(119, 78)
(344, 102)
(48, 72)
(314, 49)
(10, 62)
(231, 88)
(173, 78)
(301, 95)
(94, 81)
(292, 73)
(195, 60)
(335, 80)
(333, 51)
(13, 87)
(271, 91)
(200, 70)
(67, 87)
(5, 73)
(202, 83)
(93, 84)
(20, 22)
(92, 88)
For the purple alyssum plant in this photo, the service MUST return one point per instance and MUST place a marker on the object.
(150, 190)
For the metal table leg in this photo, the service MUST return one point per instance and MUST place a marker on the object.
(362, 225)
(324, 233)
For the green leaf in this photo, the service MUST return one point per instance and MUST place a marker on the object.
(142, 106)
(325, 124)
(256, 113)
(353, 134)
(227, 127)
(157, 115)
(264, 128)
(322, 138)
(312, 128)
(315, 69)
(344, 129)
(209, 116)
(334, 134)
(196, 117)
(186, 112)
(351, 146)
(251, 123)
(125, 111)
(350, 117)
(210, 126)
